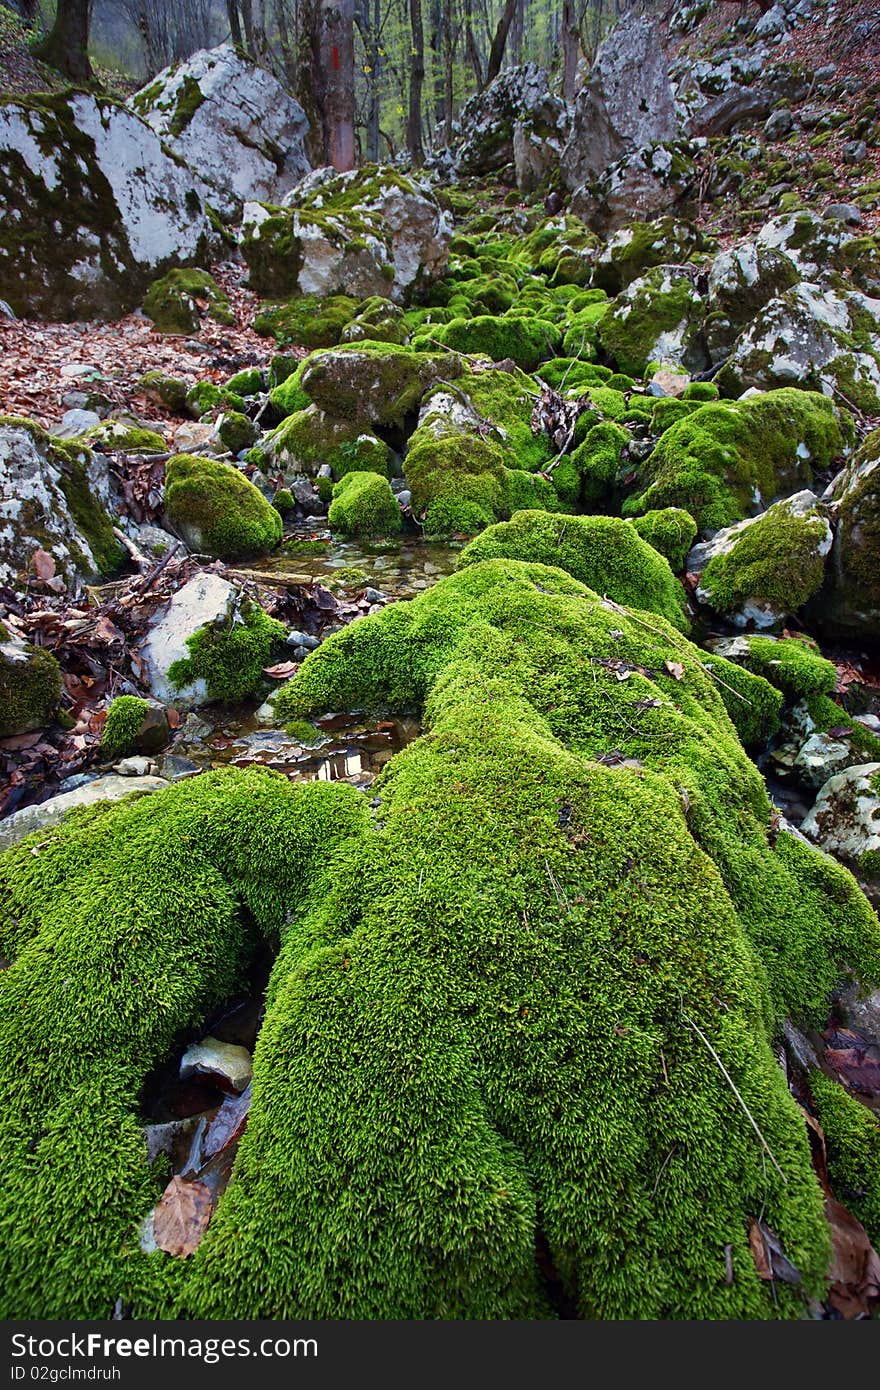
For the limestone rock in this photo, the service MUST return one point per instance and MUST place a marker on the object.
(845, 820)
(646, 184)
(48, 813)
(626, 104)
(205, 599)
(232, 123)
(514, 120)
(30, 684)
(92, 177)
(226, 1064)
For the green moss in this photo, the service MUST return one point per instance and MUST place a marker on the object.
(91, 519)
(656, 305)
(308, 320)
(571, 375)
(377, 382)
(667, 412)
(204, 398)
(287, 395)
(284, 501)
(858, 532)
(364, 505)
(189, 98)
(216, 509)
(251, 381)
(602, 552)
(126, 927)
(173, 301)
(526, 341)
(598, 461)
(229, 654)
(793, 664)
(774, 560)
(310, 438)
(852, 1141)
(116, 434)
(671, 531)
(700, 391)
(507, 400)
(713, 463)
(236, 431)
(635, 249)
(456, 480)
(377, 320)
(828, 714)
(125, 718)
(167, 390)
(30, 687)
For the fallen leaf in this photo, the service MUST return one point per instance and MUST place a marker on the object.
(181, 1218)
(43, 564)
(675, 668)
(771, 1262)
(228, 1124)
(282, 670)
(855, 1265)
(855, 1059)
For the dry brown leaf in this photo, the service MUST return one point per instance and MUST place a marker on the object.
(282, 670)
(855, 1266)
(181, 1218)
(676, 669)
(43, 564)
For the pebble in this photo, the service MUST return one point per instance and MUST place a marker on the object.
(136, 767)
(226, 1063)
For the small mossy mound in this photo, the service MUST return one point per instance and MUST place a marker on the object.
(852, 1143)
(236, 431)
(205, 398)
(793, 664)
(456, 481)
(775, 560)
(250, 381)
(165, 390)
(527, 341)
(728, 459)
(307, 320)
(507, 400)
(126, 926)
(382, 383)
(229, 655)
(364, 505)
(173, 302)
(603, 552)
(30, 686)
(129, 439)
(597, 461)
(124, 721)
(671, 531)
(377, 320)
(216, 510)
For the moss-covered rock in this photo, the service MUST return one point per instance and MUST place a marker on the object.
(603, 552)
(216, 510)
(30, 686)
(852, 1143)
(671, 531)
(308, 320)
(173, 303)
(853, 602)
(165, 390)
(205, 398)
(250, 381)
(633, 250)
(364, 505)
(129, 438)
(229, 655)
(656, 319)
(764, 568)
(377, 320)
(237, 433)
(729, 459)
(793, 664)
(309, 439)
(527, 341)
(380, 383)
(134, 725)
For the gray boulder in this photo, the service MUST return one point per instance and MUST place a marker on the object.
(232, 123)
(49, 813)
(92, 208)
(205, 599)
(845, 821)
(627, 102)
(515, 120)
(644, 185)
(853, 603)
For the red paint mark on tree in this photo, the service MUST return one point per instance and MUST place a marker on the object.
(336, 58)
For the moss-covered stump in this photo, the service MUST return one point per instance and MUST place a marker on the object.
(729, 459)
(174, 302)
(603, 552)
(30, 686)
(364, 505)
(217, 511)
(125, 930)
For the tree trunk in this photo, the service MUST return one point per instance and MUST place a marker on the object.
(247, 16)
(66, 46)
(571, 37)
(288, 59)
(448, 67)
(473, 53)
(416, 79)
(517, 30)
(337, 67)
(499, 43)
(234, 23)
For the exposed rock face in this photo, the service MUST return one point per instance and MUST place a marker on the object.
(645, 184)
(845, 820)
(368, 232)
(232, 123)
(53, 497)
(514, 120)
(204, 600)
(626, 104)
(92, 176)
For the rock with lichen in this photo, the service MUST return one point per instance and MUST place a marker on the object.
(30, 684)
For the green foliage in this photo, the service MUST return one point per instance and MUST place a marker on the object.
(217, 510)
(602, 552)
(30, 686)
(229, 654)
(775, 559)
(714, 462)
(852, 1140)
(172, 301)
(125, 718)
(126, 926)
(364, 505)
(671, 531)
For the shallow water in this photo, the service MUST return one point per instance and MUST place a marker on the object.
(399, 569)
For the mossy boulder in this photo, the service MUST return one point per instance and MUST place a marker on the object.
(249, 382)
(228, 656)
(602, 552)
(307, 319)
(309, 439)
(237, 433)
(528, 341)
(379, 383)
(729, 459)
(597, 462)
(657, 318)
(766, 567)
(217, 511)
(852, 602)
(377, 320)
(134, 725)
(633, 250)
(54, 496)
(793, 664)
(165, 390)
(364, 505)
(671, 531)
(175, 302)
(852, 1143)
(95, 208)
(206, 398)
(30, 686)
(129, 438)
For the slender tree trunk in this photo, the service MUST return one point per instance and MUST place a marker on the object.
(517, 30)
(310, 77)
(499, 43)
(66, 46)
(473, 53)
(288, 59)
(234, 23)
(375, 52)
(571, 37)
(448, 67)
(337, 65)
(416, 80)
(247, 16)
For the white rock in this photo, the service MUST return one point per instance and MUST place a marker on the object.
(48, 813)
(74, 423)
(845, 820)
(213, 1058)
(205, 599)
